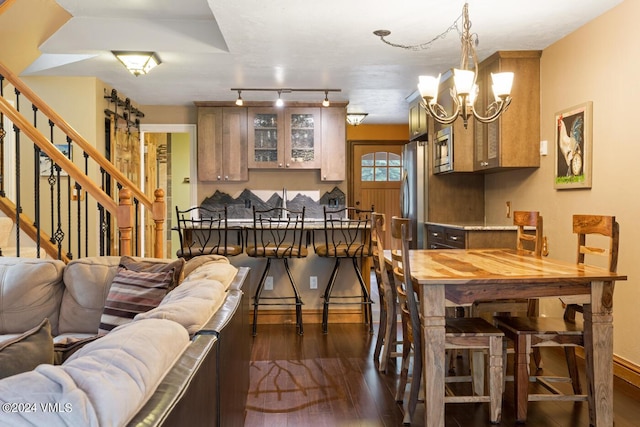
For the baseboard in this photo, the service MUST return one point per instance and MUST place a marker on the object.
(622, 368)
(288, 316)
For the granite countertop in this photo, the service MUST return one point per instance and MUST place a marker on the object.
(474, 226)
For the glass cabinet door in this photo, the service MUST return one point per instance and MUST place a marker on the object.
(303, 138)
(265, 150)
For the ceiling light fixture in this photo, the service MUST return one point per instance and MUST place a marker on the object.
(280, 101)
(326, 102)
(465, 90)
(355, 119)
(138, 62)
(239, 101)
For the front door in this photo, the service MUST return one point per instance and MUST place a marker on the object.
(376, 181)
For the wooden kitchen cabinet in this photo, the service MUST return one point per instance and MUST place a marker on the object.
(418, 119)
(513, 140)
(266, 144)
(222, 144)
(441, 236)
(334, 139)
(302, 138)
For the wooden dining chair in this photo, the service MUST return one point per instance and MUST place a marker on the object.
(531, 332)
(387, 341)
(277, 234)
(204, 231)
(527, 243)
(346, 236)
(468, 333)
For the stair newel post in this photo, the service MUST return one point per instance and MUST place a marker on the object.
(125, 220)
(159, 213)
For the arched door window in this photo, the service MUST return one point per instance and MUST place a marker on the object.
(381, 166)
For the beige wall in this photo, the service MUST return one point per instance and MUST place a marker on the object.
(596, 63)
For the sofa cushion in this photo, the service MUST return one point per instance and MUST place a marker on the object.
(196, 262)
(212, 269)
(24, 352)
(155, 265)
(191, 304)
(103, 384)
(133, 292)
(30, 291)
(86, 286)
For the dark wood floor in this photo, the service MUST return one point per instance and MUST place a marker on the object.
(331, 380)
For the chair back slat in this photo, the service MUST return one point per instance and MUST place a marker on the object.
(528, 243)
(602, 225)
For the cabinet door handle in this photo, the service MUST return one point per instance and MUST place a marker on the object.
(454, 238)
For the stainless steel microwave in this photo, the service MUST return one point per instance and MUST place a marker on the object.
(443, 151)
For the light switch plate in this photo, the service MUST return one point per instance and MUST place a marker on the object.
(544, 149)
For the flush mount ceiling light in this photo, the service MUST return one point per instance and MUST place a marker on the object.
(280, 101)
(138, 62)
(465, 90)
(355, 119)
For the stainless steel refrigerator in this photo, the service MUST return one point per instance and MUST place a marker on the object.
(413, 194)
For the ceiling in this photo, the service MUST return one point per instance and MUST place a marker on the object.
(210, 46)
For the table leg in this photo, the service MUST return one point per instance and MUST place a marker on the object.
(432, 303)
(598, 337)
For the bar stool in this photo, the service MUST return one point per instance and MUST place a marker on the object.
(204, 231)
(277, 234)
(346, 236)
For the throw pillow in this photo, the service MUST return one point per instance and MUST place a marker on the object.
(131, 293)
(24, 352)
(64, 349)
(152, 265)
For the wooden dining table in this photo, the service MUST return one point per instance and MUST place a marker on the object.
(464, 276)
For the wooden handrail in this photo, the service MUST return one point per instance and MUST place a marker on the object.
(58, 157)
(5, 6)
(75, 136)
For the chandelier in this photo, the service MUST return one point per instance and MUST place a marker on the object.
(465, 90)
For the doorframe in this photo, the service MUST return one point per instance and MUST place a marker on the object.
(351, 144)
(193, 169)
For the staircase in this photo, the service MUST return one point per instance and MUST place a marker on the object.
(82, 207)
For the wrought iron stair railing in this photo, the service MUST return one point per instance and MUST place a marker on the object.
(61, 219)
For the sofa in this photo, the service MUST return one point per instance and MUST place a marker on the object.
(73, 351)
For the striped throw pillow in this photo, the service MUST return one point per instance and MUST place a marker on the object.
(133, 292)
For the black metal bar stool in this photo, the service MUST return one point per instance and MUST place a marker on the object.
(277, 234)
(346, 236)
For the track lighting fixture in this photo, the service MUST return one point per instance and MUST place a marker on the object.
(280, 101)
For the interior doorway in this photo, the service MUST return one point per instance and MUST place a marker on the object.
(168, 162)
(376, 174)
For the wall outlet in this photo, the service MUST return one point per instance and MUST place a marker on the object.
(313, 282)
(268, 283)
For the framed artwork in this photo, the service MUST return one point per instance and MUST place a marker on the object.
(46, 164)
(574, 147)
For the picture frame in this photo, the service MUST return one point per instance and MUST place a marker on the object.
(573, 139)
(46, 164)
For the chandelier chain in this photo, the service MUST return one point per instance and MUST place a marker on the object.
(425, 45)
